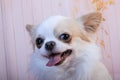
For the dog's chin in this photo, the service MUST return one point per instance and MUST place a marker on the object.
(56, 59)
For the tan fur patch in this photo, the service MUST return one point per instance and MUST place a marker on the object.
(92, 21)
(29, 27)
(71, 27)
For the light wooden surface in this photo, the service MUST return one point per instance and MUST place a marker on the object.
(15, 46)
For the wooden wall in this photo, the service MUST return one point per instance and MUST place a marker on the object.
(15, 46)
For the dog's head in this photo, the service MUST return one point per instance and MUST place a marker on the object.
(60, 39)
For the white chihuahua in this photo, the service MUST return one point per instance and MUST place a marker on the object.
(65, 49)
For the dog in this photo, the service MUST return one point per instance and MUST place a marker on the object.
(65, 49)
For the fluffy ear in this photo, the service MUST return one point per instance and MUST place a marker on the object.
(30, 28)
(91, 21)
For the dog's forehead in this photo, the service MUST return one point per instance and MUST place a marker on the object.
(49, 24)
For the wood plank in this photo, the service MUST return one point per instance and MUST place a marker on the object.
(19, 30)
(37, 10)
(9, 40)
(114, 41)
(27, 19)
(3, 72)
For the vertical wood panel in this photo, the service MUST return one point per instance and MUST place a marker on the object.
(9, 40)
(3, 73)
(19, 29)
(37, 11)
(118, 12)
(56, 6)
(27, 19)
(114, 41)
(117, 16)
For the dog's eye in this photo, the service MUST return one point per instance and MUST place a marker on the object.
(39, 42)
(65, 37)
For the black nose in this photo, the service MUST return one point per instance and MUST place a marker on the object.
(49, 45)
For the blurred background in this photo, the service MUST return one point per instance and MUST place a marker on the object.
(15, 45)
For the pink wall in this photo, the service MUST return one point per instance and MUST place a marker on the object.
(15, 46)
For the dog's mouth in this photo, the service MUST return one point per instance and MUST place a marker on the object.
(56, 59)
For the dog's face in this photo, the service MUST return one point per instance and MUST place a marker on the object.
(59, 40)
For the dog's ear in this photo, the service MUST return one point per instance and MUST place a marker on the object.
(30, 28)
(91, 22)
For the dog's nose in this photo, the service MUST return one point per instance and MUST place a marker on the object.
(50, 45)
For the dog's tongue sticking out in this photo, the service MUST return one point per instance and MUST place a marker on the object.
(54, 60)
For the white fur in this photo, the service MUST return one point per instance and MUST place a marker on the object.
(84, 64)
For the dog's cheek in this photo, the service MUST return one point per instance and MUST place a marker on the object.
(61, 46)
(40, 51)
(78, 44)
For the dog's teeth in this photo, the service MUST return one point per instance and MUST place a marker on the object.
(66, 53)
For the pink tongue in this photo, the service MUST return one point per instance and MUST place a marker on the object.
(53, 60)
